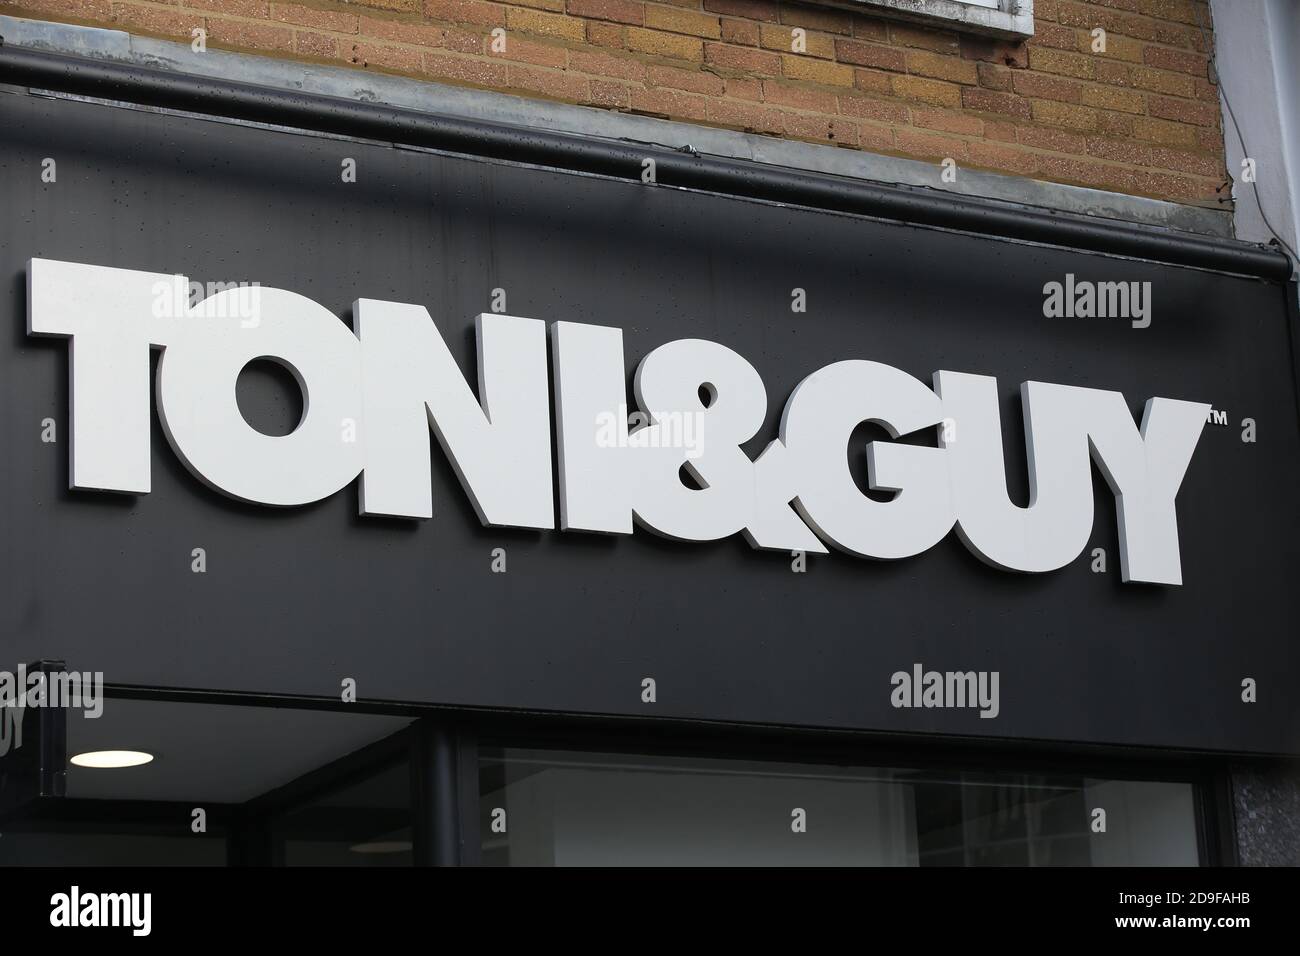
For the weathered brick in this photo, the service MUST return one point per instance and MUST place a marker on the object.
(1056, 140)
(1160, 81)
(671, 45)
(742, 59)
(1056, 36)
(1044, 86)
(606, 64)
(751, 90)
(799, 97)
(1059, 61)
(523, 51)
(541, 23)
(1067, 115)
(768, 10)
(1163, 131)
(1195, 112)
(880, 111)
(257, 36)
(820, 19)
(692, 81)
(930, 92)
(816, 71)
(937, 41)
(612, 35)
(316, 19)
(619, 11)
(675, 20)
(1112, 98)
(382, 56)
(553, 83)
(873, 81)
(929, 145)
(870, 54)
(742, 32)
(393, 31)
(951, 68)
(775, 37)
(994, 77)
(464, 69)
(748, 117)
(142, 19)
(475, 12)
(987, 101)
(960, 123)
(828, 129)
(613, 96)
(1178, 61)
(320, 45)
(1007, 159)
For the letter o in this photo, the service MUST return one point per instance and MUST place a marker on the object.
(200, 414)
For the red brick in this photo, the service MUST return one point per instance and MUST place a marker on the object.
(740, 31)
(881, 111)
(609, 95)
(767, 10)
(477, 72)
(605, 64)
(745, 116)
(1003, 158)
(1178, 61)
(934, 40)
(306, 43)
(526, 51)
(918, 143)
(822, 20)
(1195, 112)
(987, 101)
(256, 36)
(994, 77)
(553, 83)
(1044, 86)
(742, 59)
(619, 11)
(1057, 140)
(316, 19)
(475, 12)
(958, 123)
(798, 97)
(823, 129)
(870, 54)
(673, 104)
(693, 81)
(611, 35)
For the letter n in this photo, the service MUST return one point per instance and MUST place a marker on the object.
(500, 449)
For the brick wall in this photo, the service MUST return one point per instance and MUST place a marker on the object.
(1141, 117)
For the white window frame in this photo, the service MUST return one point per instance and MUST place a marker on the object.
(1013, 19)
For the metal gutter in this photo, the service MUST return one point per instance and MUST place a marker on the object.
(673, 168)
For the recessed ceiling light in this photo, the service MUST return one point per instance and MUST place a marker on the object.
(111, 759)
(383, 846)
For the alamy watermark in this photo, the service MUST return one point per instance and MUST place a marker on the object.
(1083, 299)
(956, 689)
(680, 430)
(177, 299)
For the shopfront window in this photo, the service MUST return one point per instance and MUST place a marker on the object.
(553, 808)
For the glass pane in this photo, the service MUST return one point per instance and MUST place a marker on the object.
(551, 808)
(367, 823)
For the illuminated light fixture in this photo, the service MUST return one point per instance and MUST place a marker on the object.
(383, 846)
(111, 759)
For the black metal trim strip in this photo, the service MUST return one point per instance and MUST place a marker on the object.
(147, 86)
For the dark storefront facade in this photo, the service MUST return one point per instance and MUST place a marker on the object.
(725, 647)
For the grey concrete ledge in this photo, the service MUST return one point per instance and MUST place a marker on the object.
(503, 108)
